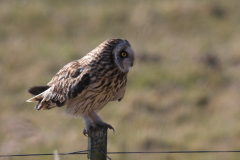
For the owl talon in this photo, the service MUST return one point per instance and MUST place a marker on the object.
(85, 132)
(109, 126)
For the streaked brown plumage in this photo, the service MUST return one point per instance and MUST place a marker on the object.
(85, 86)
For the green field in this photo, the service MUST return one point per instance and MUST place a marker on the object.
(183, 90)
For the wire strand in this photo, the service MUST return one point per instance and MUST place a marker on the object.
(86, 152)
(46, 154)
(49, 154)
(174, 152)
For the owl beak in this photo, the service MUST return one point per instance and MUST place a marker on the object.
(131, 64)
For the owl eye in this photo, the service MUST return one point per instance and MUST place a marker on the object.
(124, 54)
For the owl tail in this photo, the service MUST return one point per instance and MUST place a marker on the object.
(38, 92)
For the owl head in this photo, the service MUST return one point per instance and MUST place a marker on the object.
(122, 53)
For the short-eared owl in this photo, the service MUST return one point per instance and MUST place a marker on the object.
(86, 85)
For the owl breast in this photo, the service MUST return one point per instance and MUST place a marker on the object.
(105, 85)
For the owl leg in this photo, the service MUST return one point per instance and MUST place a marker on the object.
(98, 120)
(87, 124)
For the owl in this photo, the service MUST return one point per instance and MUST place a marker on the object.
(86, 85)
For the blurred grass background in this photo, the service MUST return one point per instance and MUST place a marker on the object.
(183, 91)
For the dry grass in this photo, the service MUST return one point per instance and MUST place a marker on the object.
(183, 91)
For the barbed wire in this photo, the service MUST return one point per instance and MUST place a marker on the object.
(173, 152)
(86, 152)
(50, 154)
(45, 154)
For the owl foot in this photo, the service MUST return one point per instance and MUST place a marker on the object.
(86, 130)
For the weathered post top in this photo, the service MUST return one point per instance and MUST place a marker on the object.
(97, 139)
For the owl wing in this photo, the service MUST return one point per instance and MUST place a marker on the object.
(70, 81)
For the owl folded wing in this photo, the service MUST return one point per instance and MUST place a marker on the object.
(67, 84)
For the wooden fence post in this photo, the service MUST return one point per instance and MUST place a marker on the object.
(97, 140)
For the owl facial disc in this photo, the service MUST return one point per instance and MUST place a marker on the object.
(123, 56)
